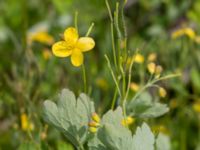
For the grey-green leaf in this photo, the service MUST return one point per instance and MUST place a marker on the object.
(163, 142)
(143, 138)
(113, 135)
(70, 116)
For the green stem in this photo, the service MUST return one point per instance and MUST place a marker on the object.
(113, 76)
(114, 99)
(90, 29)
(84, 78)
(129, 75)
(112, 33)
(113, 45)
(25, 24)
(76, 20)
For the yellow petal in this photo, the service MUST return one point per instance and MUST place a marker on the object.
(85, 44)
(77, 57)
(61, 49)
(71, 35)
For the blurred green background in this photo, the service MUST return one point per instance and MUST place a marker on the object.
(29, 73)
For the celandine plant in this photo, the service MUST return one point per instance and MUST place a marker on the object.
(76, 117)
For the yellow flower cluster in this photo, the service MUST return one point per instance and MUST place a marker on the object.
(128, 121)
(154, 69)
(73, 46)
(26, 125)
(184, 31)
(94, 123)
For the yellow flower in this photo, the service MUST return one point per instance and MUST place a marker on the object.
(139, 58)
(152, 57)
(93, 129)
(162, 92)
(73, 46)
(134, 87)
(184, 31)
(42, 37)
(26, 125)
(151, 67)
(196, 107)
(95, 117)
(94, 123)
(128, 121)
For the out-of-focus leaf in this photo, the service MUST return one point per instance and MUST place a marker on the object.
(64, 146)
(144, 107)
(28, 146)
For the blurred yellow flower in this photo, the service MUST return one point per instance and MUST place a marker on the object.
(139, 58)
(134, 87)
(162, 92)
(159, 69)
(152, 57)
(26, 125)
(73, 45)
(102, 83)
(184, 31)
(43, 134)
(151, 67)
(42, 37)
(128, 121)
(46, 54)
(196, 107)
(197, 39)
(160, 128)
(173, 103)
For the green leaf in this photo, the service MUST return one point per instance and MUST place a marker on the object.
(70, 116)
(163, 142)
(145, 107)
(115, 138)
(113, 117)
(113, 135)
(143, 138)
